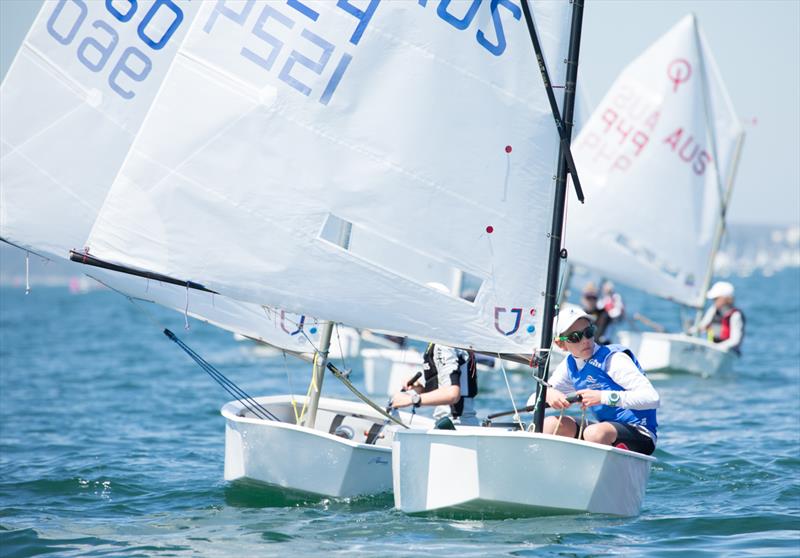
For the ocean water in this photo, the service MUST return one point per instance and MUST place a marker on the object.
(111, 444)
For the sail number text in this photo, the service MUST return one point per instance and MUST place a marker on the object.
(314, 64)
(98, 44)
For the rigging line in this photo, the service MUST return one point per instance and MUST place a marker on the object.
(311, 385)
(291, 389)
(548, 87)
(338, 373)
(229, 386)
(24, 249)
(339, 342)
(234, 390)
(516, 416)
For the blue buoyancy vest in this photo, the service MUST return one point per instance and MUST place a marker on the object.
(594, 375)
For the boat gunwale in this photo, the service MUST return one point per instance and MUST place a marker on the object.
(228, 411)
(484, 432)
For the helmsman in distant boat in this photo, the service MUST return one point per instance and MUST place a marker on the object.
(611, 384)
(722, 322)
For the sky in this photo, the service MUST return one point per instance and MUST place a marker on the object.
(756, 44)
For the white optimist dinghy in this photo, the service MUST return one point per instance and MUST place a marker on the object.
(659, 157)
(323, 145)
(494, 472)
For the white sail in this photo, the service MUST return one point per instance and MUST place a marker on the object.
(423, 125)
(647, 161)
(70, 106)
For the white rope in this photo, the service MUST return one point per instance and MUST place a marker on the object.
(27, 273)
(291, 389)
(339, 342)
(186, 311)
(516, 418)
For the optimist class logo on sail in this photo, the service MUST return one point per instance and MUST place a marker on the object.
(310, 49)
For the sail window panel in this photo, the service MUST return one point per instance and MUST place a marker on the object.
(401, 260)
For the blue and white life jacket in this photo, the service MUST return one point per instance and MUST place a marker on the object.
(594, 375)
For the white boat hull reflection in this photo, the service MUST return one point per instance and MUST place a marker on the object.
(494, 472)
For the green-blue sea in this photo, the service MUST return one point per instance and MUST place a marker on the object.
(111, 444)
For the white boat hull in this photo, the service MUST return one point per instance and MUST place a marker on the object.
(315, 461)
(494, 472)
(677, 352)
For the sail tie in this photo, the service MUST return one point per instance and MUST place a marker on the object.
(186, 311)
(27, 273)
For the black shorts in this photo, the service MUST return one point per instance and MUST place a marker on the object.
(633, 438)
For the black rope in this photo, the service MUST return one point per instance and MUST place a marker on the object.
(238, 393)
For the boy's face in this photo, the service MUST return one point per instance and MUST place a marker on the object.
(583, 349)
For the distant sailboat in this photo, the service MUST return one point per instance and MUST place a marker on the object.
(659, 156)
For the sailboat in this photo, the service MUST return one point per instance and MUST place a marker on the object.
(665, 141)
(336, 141)
(294, 155)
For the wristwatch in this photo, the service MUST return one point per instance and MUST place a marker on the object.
(613, 398)
(416, 398)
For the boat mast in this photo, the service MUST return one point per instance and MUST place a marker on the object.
(321, 356)
(724, 195)
(721, 225)
(554, 259)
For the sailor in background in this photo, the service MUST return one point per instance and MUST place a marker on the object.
(451, 383)
(612, 386)
(612, 311)
(722, 322)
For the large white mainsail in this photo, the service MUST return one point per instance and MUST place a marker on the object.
(424, 127)
(647, 159)
(70, 106)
